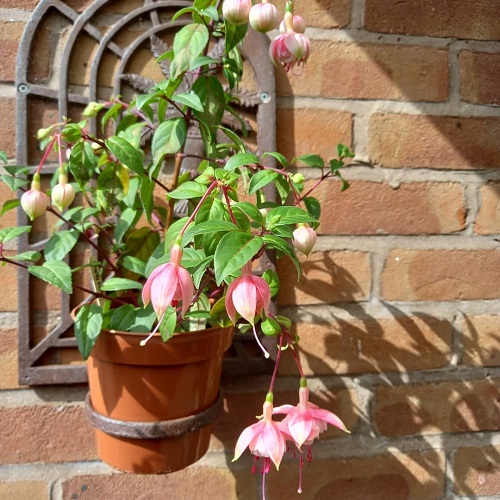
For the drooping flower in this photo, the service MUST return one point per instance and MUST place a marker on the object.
(247, 295)
(298, 24)
(265, 438)
(264, 17)
(63, 193)
(290, 49)
(306, 421)
(304, 239)
(167, 283)
(236, 11)
(34, 201)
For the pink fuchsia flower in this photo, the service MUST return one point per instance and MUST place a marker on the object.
(63, 193)
(290, 49)
(34, 202)
(247, 295)
(298, 25)
(265, 438)
(168, 283)
(306, 421)
(236, 11)
(304, 239)
(264, 17)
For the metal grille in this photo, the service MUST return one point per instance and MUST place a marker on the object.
(66, 59)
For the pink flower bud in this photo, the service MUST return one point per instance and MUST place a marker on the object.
(63, 193)
(34, 203)
(264, 17)
(298, 25)
(304, 239)
(236, 11)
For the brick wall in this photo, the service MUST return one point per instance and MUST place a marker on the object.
(399, 313)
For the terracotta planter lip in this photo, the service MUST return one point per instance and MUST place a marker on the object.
(158, 336)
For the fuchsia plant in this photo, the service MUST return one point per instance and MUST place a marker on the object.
(152, 273)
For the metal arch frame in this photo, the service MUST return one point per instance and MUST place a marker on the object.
(254, 47)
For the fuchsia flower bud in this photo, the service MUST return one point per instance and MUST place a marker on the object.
(167, 283)
(264, 17)
(63, 193)
(290, 49)
(236, 11)
(34, 202)
(304, 239)
(298, 25)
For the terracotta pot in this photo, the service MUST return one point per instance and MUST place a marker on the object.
(152, 406)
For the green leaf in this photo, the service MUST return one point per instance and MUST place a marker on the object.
(17, 170)
(261, 179)
(9, 233)
(313, 206)
(210, 227)
(281, 159)
(115, 284)
(314, 161)
(189, 43)
(210, 92)
(30, 256)
(135, 265)
(141, 243)
(185, 10)
(144, 319)
(126, 154)
(191, 100)
(270, 327)
(3, 157)
(88, 324)
(188, 190)
(287, 215)
(111, 113)
(112, 186)
(277, 243)
(235, 249)
(201, 61)
(344, 152)
(234, 35)
(240, 159)
(251, 210)
(14, 182)
(167, 327)
(122, 318)
(273, 280)
(82, 162)
(55, 272)
(9, 205)
(169, 138)
(127, 219)
(60, 244)
(146, 194)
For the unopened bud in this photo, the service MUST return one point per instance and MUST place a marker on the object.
(43, 133)
(264, 17)
(298, 25)
(304, 239)
(63, 193)
(92, 109)
(236, 11)
(297, 178)
(34, 202)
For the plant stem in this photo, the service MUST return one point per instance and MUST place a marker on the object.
(276, 365)
(197, 208)
(46, 154)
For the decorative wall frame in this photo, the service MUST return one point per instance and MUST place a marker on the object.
(67, 58)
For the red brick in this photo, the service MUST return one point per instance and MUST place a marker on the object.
(298, 131)
(477, 471)
(8, 359)
(381, 477)
(462, 406)
(19, 4)
(371, 345)
(479, 77)
(202, 483)
(321, 13)
(10, 36)
(370, 71)
(436, 275)
(488, 216)
(241, 408)
(434, 141)
(461, 19)
(481, 340)
(378, 208)
(23, 490)
(327, 277)
(8, 273)
(49, 433)
(8, 219)
(8, 126)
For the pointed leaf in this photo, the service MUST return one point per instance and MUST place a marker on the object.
(241, 159)
(126, 154)
(188, 190)
(60, 244)
(314, 161)
(261, 179)
(9, 233)
(114, 284)
(191, 100)
(235, 249)
(55, 272)
(88, 324)
(169, 138)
